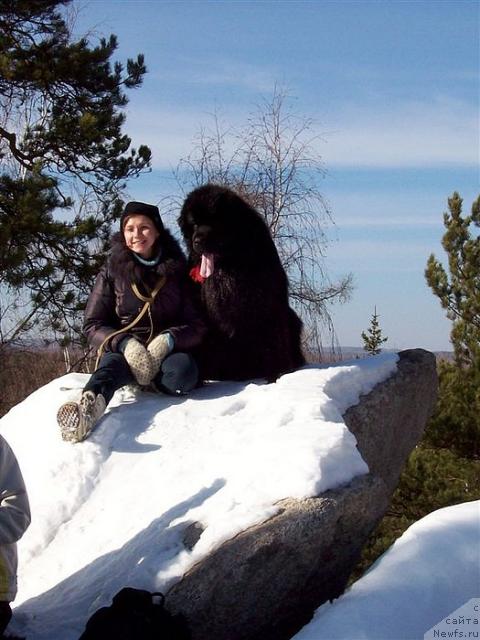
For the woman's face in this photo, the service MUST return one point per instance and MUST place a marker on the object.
(140, 234)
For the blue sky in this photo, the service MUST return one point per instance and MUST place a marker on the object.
(393, 89)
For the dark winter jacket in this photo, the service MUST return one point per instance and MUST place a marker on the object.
(113, 303)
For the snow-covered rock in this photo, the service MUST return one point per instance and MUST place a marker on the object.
(115, 510)
(399, 409)
(265, 582)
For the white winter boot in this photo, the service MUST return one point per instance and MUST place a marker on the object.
(77, 419)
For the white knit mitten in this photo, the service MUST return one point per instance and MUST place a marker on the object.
(139, 361)
(159, 348)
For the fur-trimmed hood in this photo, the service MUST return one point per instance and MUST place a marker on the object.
(122, 262)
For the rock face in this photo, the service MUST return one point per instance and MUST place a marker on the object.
(265, 583)
(389, 422)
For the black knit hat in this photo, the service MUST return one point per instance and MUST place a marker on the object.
(142, 209)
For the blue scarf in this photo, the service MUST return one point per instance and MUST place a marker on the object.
(148, 263)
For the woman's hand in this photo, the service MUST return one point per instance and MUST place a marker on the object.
(139, 360)
(159, 348)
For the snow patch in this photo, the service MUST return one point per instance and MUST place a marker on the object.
(112, 511)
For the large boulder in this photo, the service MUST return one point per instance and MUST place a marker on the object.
(264, 583)
(389, 421)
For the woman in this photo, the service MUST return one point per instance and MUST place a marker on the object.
(139, 318)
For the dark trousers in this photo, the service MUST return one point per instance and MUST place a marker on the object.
(178, 374)
(5, 615)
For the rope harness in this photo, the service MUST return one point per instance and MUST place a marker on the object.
(147, 308)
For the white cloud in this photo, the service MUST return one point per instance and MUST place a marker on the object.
(388, 222)
(228, 73)
(386, 206)
(170, 132)
(440, 133)
(219, 72)
(407, 255)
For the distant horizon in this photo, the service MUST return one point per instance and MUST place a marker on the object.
(41, 343)
(390, 350)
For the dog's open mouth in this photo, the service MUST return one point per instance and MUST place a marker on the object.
(207, 265)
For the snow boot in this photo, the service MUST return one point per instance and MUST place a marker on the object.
(77, 419)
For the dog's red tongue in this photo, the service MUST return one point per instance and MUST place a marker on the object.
(207, 265)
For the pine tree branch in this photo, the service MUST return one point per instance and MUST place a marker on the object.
(22, 158)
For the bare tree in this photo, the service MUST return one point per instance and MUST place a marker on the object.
(272, 162)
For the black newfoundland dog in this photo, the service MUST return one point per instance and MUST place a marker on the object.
(242, 286)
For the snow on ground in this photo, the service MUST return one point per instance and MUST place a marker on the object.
(111, 511)
(431, 571)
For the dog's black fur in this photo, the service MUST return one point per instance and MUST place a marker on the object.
(253, 332)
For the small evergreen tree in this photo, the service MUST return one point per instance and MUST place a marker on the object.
(459, 290)
(372, 338)
(444, 469)
(456, 422)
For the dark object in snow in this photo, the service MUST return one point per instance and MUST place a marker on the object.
(243, 288)
(266, 582)
(136, 615)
